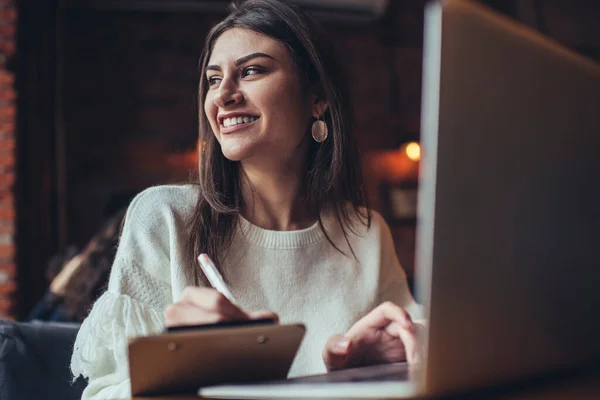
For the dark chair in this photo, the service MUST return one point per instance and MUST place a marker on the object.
(35, 359)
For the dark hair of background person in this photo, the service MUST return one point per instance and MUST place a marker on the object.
(334, 177)
(90, 279)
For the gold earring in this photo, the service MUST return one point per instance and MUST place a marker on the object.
(319, 130)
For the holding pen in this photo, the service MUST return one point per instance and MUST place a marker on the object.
(202, 305)
(214, 277)
(218, 283)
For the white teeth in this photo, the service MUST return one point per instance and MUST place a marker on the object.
(238, 120)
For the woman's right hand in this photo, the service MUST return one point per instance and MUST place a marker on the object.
(200, 305)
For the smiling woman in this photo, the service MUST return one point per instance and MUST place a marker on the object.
(279, 209)
(261, 85)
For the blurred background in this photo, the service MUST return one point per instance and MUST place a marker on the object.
(98, 102)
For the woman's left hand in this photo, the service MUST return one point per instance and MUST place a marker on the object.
(387, 334)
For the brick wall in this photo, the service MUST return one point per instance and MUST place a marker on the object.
(8, 283)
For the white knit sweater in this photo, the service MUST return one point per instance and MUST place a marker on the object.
(297, 274)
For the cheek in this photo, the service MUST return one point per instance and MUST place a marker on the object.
(210, 110)
(286, 104)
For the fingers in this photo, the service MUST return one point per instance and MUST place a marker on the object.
(264, 314)
(400, 339)
(337, 352)
(202, 306)
(187, 314)
(410, 340)
(212, 301)
(382, 316)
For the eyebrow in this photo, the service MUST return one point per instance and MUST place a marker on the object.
(240, 61)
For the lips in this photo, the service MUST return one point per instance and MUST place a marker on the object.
(238, 120)
(238, 126)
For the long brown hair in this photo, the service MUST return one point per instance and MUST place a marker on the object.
(334, 176)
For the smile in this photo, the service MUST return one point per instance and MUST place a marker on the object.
(229, 125)
(227, 122)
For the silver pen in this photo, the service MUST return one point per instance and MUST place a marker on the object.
(214, 277)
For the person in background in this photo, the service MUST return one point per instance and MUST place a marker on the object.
(60, 268)
(79, 278)
(279, 206)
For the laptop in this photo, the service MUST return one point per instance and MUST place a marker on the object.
(508, 240)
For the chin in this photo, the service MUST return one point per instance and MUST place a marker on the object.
(235, 154)
(238, 147)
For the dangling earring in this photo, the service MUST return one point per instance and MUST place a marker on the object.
(319, 130)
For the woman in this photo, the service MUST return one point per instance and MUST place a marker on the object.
(279, 207)
(79, 278)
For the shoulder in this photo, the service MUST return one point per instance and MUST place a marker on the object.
(159, 213)
(167, 196)
(378, 223)
(159, 202)
(154, 232)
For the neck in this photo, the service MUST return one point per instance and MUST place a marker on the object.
(274, 197)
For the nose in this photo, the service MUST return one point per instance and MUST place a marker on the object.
(228, 94)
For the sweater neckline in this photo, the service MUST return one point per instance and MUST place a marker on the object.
(280, 239)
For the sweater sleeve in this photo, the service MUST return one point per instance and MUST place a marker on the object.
(138, 291)
(393, 285)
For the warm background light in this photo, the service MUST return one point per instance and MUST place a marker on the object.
(394, 166)
(413, 150)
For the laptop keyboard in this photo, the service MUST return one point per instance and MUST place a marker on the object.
(376, 373)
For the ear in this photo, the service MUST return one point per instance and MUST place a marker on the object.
(318, 103)
(319, 108)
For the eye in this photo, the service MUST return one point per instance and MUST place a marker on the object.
(251, 71)
(213, 80)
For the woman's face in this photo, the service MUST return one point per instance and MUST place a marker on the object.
(256, 105)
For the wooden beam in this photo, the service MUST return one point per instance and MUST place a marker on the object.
(35, 189)
(529, 13)
(206, 6)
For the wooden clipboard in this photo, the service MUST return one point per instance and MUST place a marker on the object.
(182, 362)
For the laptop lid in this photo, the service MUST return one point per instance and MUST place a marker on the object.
(509, 214)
